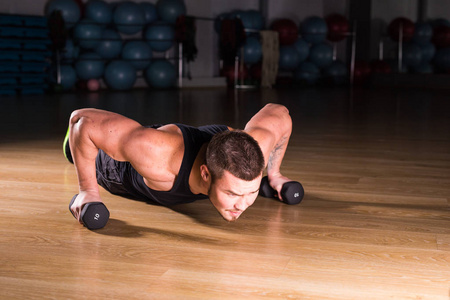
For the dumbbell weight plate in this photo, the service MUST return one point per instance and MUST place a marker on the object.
(94, 215)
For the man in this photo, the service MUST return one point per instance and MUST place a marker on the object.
(176, 163)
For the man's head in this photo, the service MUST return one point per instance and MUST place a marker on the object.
(234, 166)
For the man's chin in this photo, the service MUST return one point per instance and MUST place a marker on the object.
(230, 217)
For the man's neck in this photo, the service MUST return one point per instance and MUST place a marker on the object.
(196, 183)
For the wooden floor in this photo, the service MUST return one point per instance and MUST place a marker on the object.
(374, 224)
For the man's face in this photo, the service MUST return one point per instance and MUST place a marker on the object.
(231, 196)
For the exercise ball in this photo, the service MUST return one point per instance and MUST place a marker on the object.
(99, 11)
(170, 10)
(93, 85)
(87, 34)
(161, 74)
(287, 31)
(111, 44)
(89, 65)
(252, 50)
(120, 75)
(232, 74)
(128, 18)
(442, 59)
(289, 58)
(321, 55)
(441, 36)
(256, 20)
(336, 72)
(314, 30)
(338, 27)
(424, 68)
(160, 36)
(138, 53)
(407, 29)
(440, 22)
(68, 76)
(302, 48)
(307, 72)
(428, 51)
(412, 55)
(70, 52)
(218, 21)
(380, 67)
(69, 9)
(150, 13)
(423, 32)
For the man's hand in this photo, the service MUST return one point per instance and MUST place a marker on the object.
(83, 198)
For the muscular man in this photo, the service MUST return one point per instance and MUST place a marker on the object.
(176, 163)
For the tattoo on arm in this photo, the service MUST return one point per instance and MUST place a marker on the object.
(274, 157)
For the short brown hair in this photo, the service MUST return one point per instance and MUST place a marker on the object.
(237, 152)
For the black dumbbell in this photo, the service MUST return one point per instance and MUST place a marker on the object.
(94, 215)
(292, 192)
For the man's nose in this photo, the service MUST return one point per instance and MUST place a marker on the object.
(241, 204)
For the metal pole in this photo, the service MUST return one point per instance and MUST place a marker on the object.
(180, 65)
(400, 48)
(353, 56)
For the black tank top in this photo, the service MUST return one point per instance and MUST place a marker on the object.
(194, 138)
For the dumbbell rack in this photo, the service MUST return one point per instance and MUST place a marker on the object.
(25, 54)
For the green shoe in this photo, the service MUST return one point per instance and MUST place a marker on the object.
(66, 148)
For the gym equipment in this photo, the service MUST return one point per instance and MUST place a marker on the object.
(407, 29)
(89, 66)
(292, 192)
(128, 17)
(161, 74)
(252, 50)
(337, 72)
(424, 68)
(412, 55)
(287, 31)
(441, 36)
(120, 75)
(69, 9)
(70, 52)
(98, 11)
(361, 72)
(380, 67)
(94, 215)
(428, 51)
(170, 10)
(93, 85)
(87, 34)
(149, 10)
(423, 33)
(314, 30)
(307, 72)
(302, 48)
(255, 20)
(338, 27)
(110, 45)
(160, 36)
(442, 59)
(289, 58)
(138, 53)
(321, 55)
(68, 76)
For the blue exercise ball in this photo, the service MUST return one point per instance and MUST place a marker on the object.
(412, 55)
(424, 68)
(161, 74)
(256, 19)
(87, 34)
(428, 51)
(218, 21)
(150, 13)
(160, 36)
(423, 32)
(68, 76)
(289, 58)
(70, 52)
(307, 72)
(170, 10)
(98, 11)
(314, 30)
(128, 18)
(442, 59)
(321, 55)
(336, 72)
(89, 65)
(120, 75)
(302, 48)
(252, 50)
(138, 53)
(110, 45)
(69, 9)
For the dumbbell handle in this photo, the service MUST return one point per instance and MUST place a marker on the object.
(94, 215)
(292, 192)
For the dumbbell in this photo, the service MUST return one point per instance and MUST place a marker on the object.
(291, 193)
(94, 215)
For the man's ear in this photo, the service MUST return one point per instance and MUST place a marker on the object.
(204, 172)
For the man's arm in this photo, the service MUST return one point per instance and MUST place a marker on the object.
(121, 138)
(271, 127)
